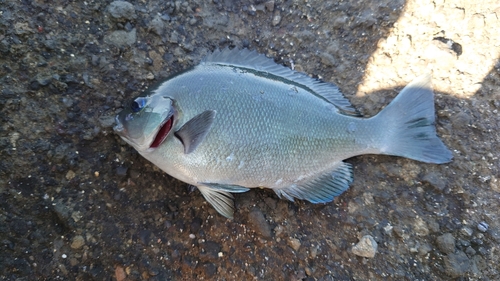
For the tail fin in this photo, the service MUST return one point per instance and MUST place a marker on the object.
(409, 119)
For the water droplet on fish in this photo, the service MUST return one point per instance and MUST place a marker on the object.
(230, 157)
(351, 128)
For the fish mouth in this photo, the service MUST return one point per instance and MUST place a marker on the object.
(162, 132)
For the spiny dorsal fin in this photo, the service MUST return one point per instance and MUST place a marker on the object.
(247, 59)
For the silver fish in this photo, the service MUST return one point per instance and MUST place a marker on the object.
(238, 120)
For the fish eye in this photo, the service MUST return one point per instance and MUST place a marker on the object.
(138, 104)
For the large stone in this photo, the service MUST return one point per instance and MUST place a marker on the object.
(121, 38)
(446, 243)
(456, 264)
(122, 10)
(366, 247)
(259, 223)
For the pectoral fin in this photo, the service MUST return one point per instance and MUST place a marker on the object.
(321, 189)
(222, 201)
(195, 130)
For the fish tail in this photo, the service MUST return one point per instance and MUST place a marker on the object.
(410, 120)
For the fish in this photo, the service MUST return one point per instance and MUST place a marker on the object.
(238, 120)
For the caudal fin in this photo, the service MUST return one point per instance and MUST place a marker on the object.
(409, 122)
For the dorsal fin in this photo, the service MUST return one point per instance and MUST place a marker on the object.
(251, 60)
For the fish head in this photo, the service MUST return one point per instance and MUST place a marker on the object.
(146, 122)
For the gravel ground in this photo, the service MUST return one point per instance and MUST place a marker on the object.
(77, 203)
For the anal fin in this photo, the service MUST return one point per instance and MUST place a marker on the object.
(321, 189)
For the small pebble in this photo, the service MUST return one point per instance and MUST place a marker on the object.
(482, 226)
(294, 243)
(477, 241)
(278, 230)
(269, 5)
(466, 231)
(465, 243)
(106, 121)
(470, 251)
(420, 227)
(483, 251)
(424, 249)
(70, 175)
(120, 274)
(121, 170)
(276, 18)
(67, 102)
(388, 228)
(314, 252)
(78, 242)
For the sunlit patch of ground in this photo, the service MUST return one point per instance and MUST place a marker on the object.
(462, 44)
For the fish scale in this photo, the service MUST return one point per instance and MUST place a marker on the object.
(242, 121)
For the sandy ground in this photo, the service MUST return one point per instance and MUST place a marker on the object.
(77, 203)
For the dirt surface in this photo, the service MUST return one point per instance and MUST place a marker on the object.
(77, 203)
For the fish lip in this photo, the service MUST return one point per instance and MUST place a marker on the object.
(161, 135)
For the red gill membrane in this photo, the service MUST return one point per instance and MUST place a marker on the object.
(162, 133)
